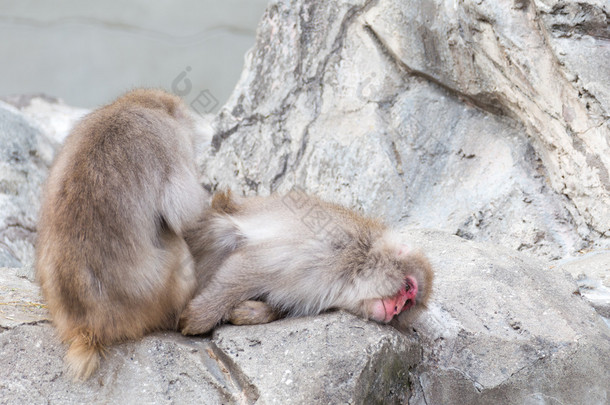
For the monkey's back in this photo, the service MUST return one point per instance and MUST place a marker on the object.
(105, 229)
(303, 217)
(296, 240)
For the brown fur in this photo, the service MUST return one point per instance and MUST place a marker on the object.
(223, 202)
(252, 313)
(111, 258)
(298, 254)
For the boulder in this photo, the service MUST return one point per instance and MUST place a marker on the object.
(333, 358)
(502, 328)
(506, 328)
(482, 119)
(25, 154)
(592, 272)
(31, 130)
(485, 121)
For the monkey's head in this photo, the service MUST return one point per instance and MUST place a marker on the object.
(195, 128)
(157, 99)
(399, 281)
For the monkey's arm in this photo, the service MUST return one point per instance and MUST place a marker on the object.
(182, 199)
(234, 283)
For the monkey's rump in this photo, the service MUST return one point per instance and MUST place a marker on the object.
(110, 256)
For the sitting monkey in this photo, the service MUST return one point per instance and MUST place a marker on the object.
(111, 258)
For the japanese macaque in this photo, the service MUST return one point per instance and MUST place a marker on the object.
(298, 255)
(111, 258)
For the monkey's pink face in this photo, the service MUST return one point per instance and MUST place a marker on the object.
(383, 310)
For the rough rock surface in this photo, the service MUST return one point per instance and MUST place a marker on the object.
(20, 299)
(592, 272)
(24, 158)
(490, 120)
(333, 358)
(502, 328)
(487, 119)
(28, 141)
(505, 329)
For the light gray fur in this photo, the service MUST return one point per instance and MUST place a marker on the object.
(270, 248)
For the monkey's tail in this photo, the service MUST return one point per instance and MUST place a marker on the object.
(83, 356)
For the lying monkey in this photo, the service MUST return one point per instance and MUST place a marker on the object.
(299, 256)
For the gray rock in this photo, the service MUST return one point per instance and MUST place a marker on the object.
(502, 328)
(486, 120)
(328, 359)
(22, 172)
(592, 272)
(50, 115)
(161, 368)
(579, 38)
(20, 300)
(453, 116)
(29, 139)
(497, 56)
(333, 358)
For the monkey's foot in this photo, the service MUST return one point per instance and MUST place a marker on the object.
(252, 313)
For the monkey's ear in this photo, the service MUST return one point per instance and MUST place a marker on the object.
(403, 250)
(391, 244)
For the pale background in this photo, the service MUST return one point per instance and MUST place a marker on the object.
(87, 52)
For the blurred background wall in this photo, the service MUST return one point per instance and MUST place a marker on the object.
(87, 52)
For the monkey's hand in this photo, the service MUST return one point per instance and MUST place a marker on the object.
(226, 297)
(225, 292)
(252, 313)
(197, 320)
